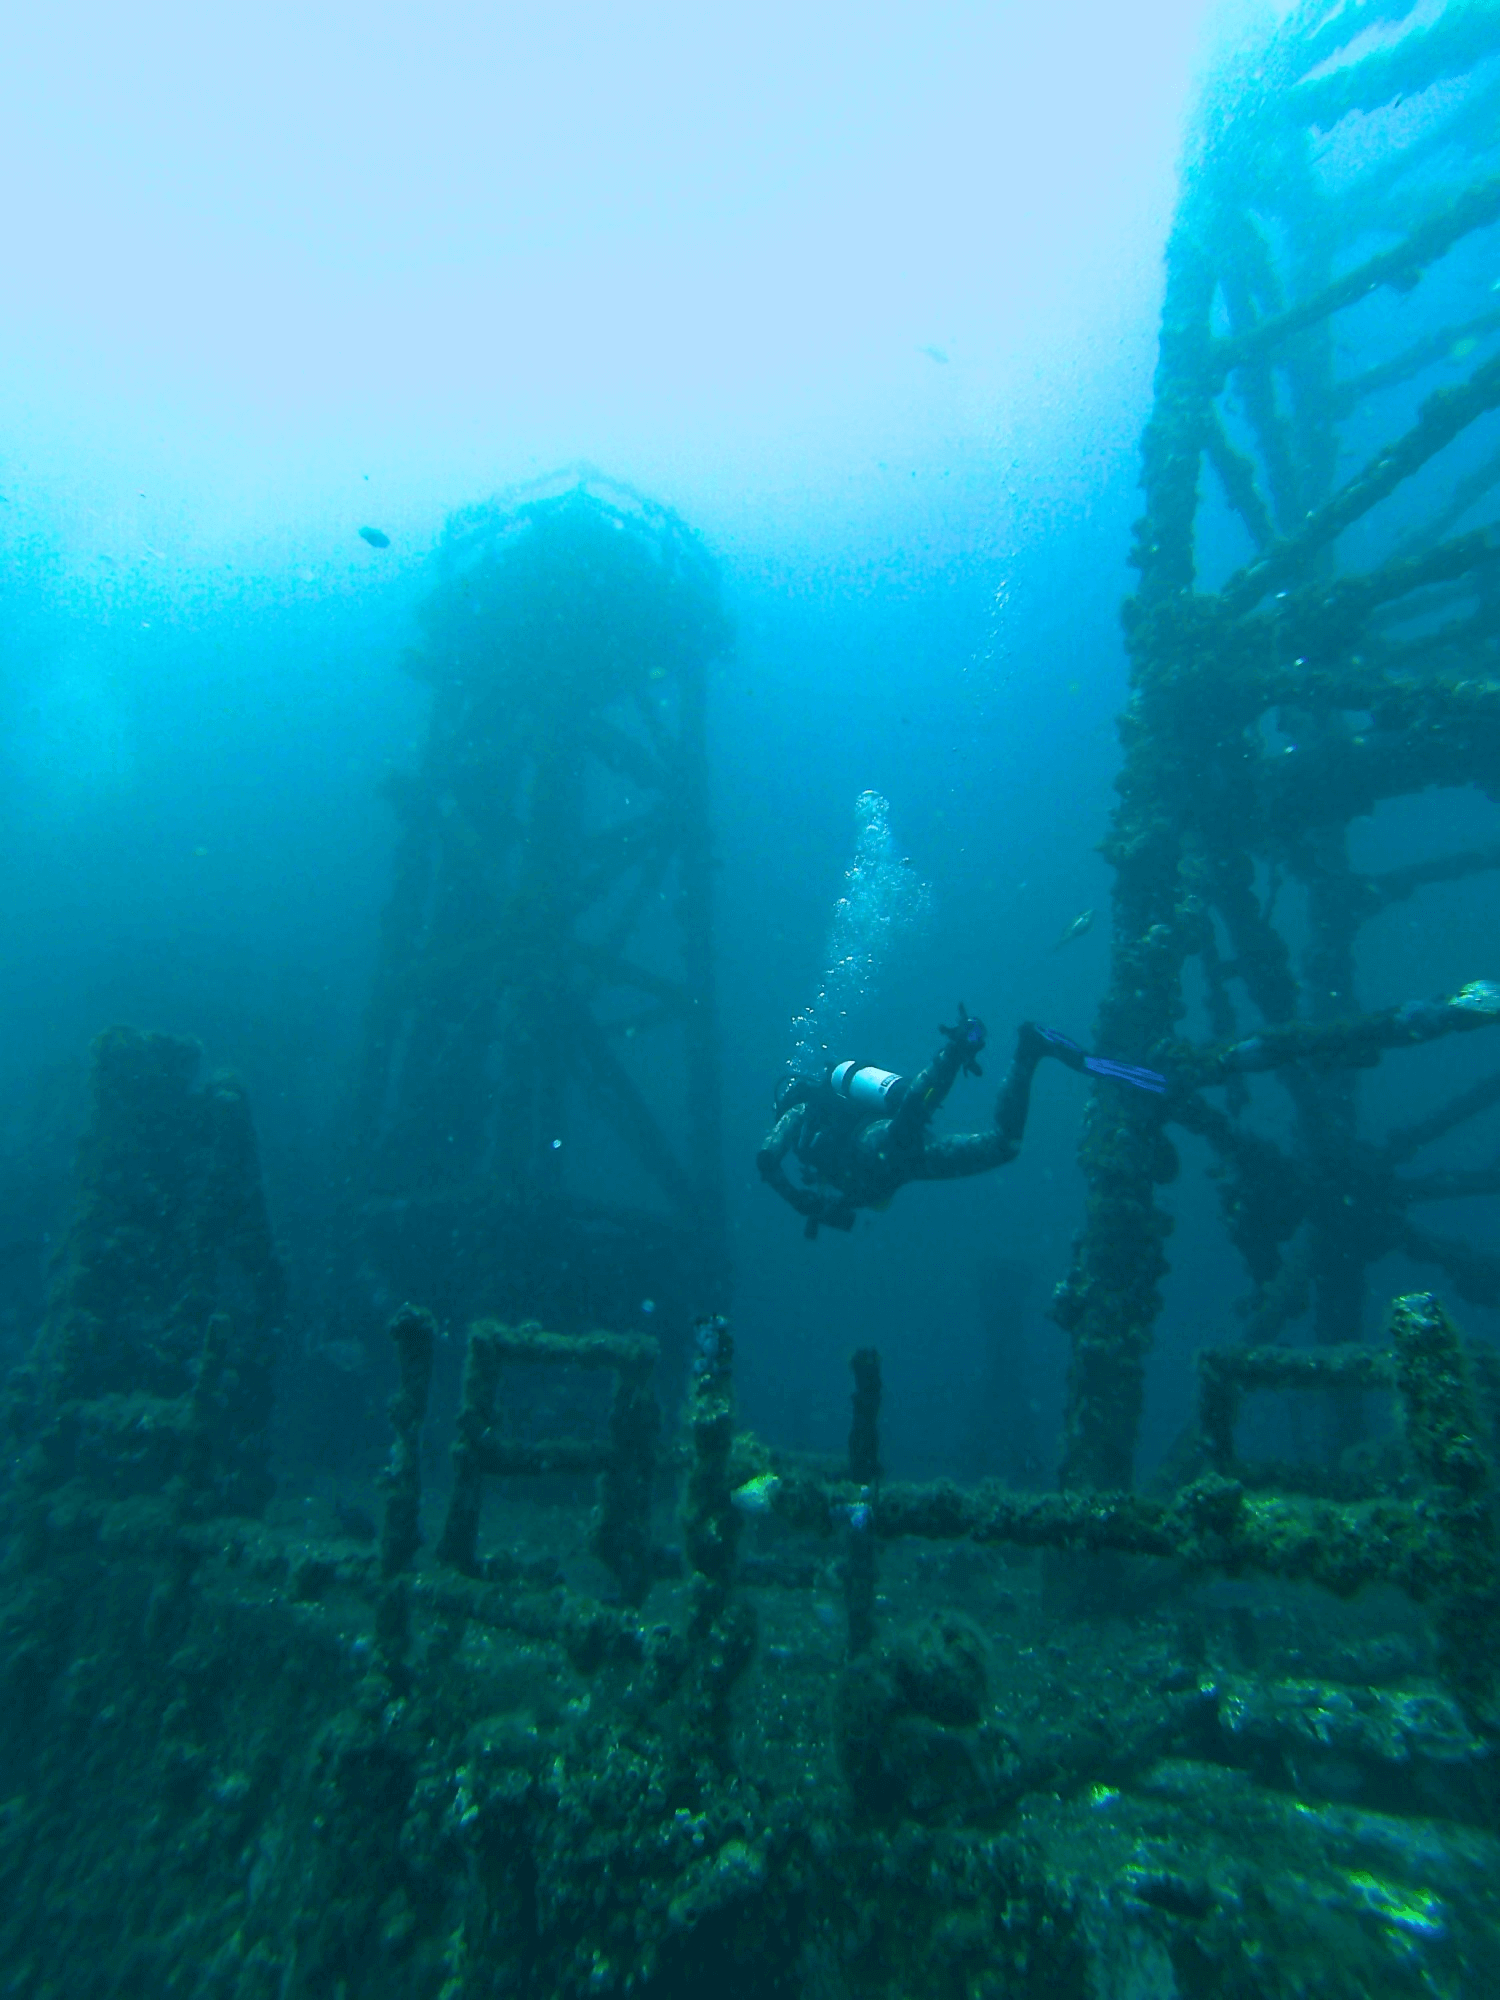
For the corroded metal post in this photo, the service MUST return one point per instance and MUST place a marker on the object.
(414, 1332)
(459, 1544)
(861, 1570)
(721, 1625)
(621, 1532)
(864, 1419)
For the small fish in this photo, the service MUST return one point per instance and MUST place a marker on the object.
(934, 354)
(1079, 925)
(376, 537)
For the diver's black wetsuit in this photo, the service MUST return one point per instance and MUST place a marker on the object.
(851, 1160)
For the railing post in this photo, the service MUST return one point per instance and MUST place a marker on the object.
(864, 1469)
(475, 1415)
(721, 1629)
(414, 1333)
(621, 1534)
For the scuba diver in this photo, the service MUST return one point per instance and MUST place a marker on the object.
(860, 1133)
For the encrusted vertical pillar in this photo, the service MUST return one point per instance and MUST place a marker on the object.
(1443, 1435)
(621, 1534)
(204, 1405)
(864, 1424)
(414, 1333)
(860, 1568)
(459, 1542)
(721, 1627)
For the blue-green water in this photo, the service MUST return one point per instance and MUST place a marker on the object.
(871, 306)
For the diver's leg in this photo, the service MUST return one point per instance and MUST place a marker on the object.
(1014, 1100)
(1067, 1051)
(1034, 1042)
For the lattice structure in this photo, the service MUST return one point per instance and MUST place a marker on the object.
(538, 1128)
(625, 1460)
(154, 1365)
(1316, 630)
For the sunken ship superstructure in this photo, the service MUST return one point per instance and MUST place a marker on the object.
(643, 1704)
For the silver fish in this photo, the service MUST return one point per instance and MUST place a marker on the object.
(1076, 929)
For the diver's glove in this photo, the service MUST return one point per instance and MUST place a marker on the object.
(968, 1038)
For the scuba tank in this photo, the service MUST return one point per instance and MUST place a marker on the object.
(838, 1105)
(873, 1092)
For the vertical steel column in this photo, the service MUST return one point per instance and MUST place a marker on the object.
(1300, 651)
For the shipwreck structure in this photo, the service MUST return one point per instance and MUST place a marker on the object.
(1315, 632)
(153, 1367)
(737, 1720)
(538, 1117)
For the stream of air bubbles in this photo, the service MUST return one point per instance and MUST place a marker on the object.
(883, 899)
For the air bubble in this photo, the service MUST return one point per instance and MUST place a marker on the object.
(883, 899)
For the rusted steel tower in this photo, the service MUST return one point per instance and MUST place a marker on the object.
(539, 1110)
(1316, 630)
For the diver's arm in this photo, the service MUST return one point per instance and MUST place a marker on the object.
(960, 1050)
(830, 1210)
(777, 1143)
(926, 1092)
